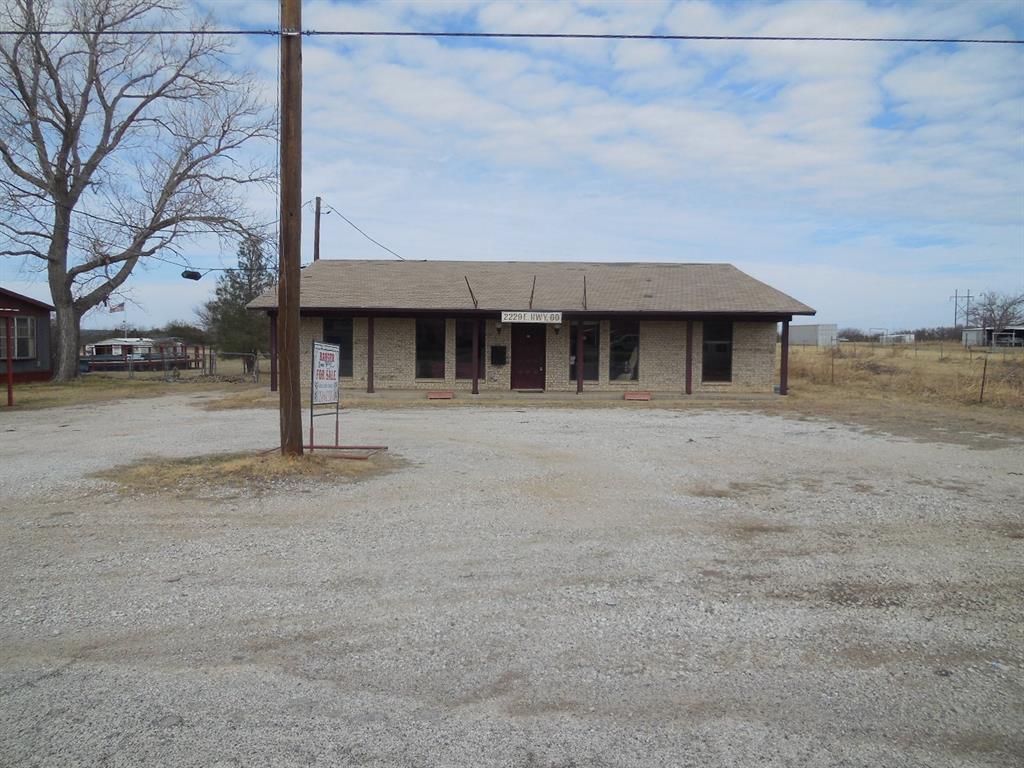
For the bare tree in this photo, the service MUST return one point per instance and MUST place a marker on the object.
(997, 310)
(116, 144)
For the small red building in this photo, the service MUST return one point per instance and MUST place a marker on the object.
(27, 322)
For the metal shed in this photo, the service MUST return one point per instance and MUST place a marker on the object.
(817, 335)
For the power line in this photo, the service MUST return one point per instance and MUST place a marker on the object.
(516, 36)
(578, 36)
(332, 209)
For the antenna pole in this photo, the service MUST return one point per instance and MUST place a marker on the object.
(316, 232)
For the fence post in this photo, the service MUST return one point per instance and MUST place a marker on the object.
(984, 373)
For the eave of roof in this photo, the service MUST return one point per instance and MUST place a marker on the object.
(26, 299)
(637, 288)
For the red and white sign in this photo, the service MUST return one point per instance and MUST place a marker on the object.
(326, 362)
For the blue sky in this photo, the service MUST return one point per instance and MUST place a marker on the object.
(868, 180)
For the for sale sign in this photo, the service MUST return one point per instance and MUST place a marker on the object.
(326, 359)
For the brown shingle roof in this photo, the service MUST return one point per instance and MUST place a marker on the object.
(506, 285)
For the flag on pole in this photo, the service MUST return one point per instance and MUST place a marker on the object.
(117, 307)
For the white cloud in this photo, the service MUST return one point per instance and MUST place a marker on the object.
(823, 166)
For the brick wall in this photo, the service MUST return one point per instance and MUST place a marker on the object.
(753, 358)
(662, 357)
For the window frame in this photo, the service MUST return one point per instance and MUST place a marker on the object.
(419, 337)
(345, 352)
(718, 375)
(464, 366)
(595, 347)
(28, 322)
(625, 328)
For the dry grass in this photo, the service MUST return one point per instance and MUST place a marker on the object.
(944, 374)
(254, 472)
(98, 388)
(256, 396)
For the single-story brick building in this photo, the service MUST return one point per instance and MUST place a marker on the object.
(28, 322)
(492, 326)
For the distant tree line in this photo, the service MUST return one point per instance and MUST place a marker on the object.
(990, 310)
(938, 333)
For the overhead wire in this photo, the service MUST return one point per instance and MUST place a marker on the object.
(332, 209)
(519, 35)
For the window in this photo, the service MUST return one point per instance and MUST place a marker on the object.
(338, 330)
(430, 348)
(464, 350)
(624, 350)
(716, 360)
(591, 347)
(23, 331)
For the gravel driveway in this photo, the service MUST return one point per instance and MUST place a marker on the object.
(550, 587)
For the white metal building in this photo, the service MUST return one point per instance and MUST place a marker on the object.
(896, 338)
(818, 335)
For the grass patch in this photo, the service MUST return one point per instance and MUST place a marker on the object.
(101, 388)
(945, 374)
(256, 473)
(258, 396)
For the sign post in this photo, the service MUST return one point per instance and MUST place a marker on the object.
(324, 385)
(325, 389)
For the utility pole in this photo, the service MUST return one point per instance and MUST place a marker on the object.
(961, 306)
(316, 232)
(291, 227)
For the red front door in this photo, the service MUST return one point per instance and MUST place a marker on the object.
(528, 355)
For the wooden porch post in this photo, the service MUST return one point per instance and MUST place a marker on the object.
(784, 365)
(273, 352)
(689, 357)
(579, 356)
(476, 356)
(8, 323)
(369, 355)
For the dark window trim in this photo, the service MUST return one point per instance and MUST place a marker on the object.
(635, 375)
(345, 350)
(444, 349)
(29, 337)
(596, 323)
(481, 344)
(719, 374)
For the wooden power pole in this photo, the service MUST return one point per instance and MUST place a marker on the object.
(316, 232)
(291, 227)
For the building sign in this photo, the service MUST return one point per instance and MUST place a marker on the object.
(326, 361)
(531, 317)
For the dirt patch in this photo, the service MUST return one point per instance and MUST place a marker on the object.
(708, 491)
(256, 473)
(752, 529)
(1009, 530)
(738, 488)
(981, 742)
(856, 594)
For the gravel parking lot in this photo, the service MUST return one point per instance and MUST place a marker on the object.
(529, 587)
